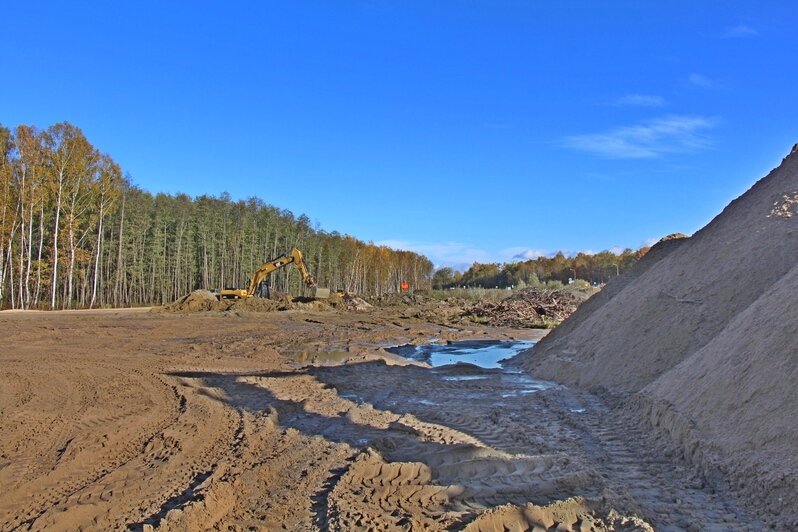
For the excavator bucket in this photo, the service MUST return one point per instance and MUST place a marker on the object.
(322, 293)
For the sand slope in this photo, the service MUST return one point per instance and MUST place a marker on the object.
(706, 332)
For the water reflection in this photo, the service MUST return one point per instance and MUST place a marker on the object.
(482, 353)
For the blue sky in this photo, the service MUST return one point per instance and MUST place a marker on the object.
(469, 131)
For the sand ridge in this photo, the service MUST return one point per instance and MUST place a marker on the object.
(703, 336)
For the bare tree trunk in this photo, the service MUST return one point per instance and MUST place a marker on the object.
(39, 256)
(57, 222)
(99, 252)
(119, 262)
(21, 276)
(30, 253)
(21, 207)
(10, 261)
(71, 270)
(178, 266)
(3, 246)
(205, 283)
(11, 276)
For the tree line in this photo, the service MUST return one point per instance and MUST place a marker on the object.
(75, 232)
(597, 268)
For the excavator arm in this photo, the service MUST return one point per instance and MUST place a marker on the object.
(266, 269)
(295, 257)
(308, 279)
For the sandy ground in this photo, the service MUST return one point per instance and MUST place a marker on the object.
(300, 421)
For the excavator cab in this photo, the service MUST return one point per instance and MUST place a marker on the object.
(264, 290)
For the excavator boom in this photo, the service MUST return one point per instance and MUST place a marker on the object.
(266, 269)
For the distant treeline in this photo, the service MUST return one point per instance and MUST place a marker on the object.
(76, 233)
(553, 271)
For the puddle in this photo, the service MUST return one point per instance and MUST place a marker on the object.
(469, 360)
(519, 384)
(415, 401)
(482, 353)
(464, 377)
(351, 396)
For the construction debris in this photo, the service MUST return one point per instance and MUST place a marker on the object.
(532, 307)
(357, 304)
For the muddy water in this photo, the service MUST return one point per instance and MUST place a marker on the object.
(482, 353)
(478, 360)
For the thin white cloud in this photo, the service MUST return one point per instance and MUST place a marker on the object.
(741, 31)
(641, 100)
(452, 254)
(521, 253)
(650, 242)
(702, 82)
(647, 139)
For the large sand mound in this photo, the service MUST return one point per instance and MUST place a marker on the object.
(704, 331)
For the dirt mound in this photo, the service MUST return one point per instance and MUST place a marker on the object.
(533, 307)
(206, 301)
(196, 301)
(654, 255)
(703, 330)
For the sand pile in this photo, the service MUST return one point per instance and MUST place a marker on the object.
(532, 307)
(196, 301)
(703, 331)
(206, 301)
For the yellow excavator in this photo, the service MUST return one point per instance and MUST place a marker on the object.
(258, 286)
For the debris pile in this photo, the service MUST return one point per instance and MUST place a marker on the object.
(532, 307)
(403, 299)
(356, 304)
